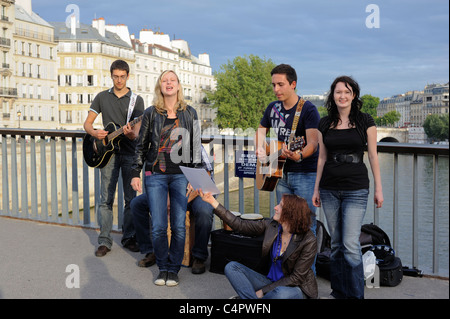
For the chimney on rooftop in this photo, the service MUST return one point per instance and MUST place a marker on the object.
(73, 25)
(99, 24)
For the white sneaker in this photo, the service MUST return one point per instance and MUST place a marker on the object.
(161, 279)
(172, 279)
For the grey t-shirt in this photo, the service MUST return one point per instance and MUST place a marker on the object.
(115, 110)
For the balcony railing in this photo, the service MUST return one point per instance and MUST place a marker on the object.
(8, 92)
(57, 186)
(5, 42)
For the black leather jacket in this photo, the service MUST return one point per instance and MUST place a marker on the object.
(149, 139)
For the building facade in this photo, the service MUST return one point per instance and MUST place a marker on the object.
(415, 106)
(35, 69)
(8, 90)
(435, 99)
(156, 52)
(51, 72)
(85, 54)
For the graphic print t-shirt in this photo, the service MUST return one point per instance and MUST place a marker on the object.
(281, 120)
(169, 143)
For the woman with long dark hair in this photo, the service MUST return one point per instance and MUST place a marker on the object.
(342, 183)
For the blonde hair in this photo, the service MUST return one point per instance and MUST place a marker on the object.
(158, 100)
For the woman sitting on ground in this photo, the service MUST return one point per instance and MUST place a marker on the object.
(289, 249)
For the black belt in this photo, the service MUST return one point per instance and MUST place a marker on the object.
(345, 158)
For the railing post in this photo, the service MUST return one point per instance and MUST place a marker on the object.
(415, 217)
(34, 189)
(75, 193)
(86, 196)
(64, 185)
(395, 205)
(435, 214)
(54, 182)
(44, 198)
(23, 177)
(14, 182)
(226, 177)
(5, 184)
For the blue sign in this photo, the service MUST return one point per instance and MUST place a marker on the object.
(245, 164)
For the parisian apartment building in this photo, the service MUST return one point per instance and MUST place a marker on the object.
(28, 85)
(415, 106)
(51, 71)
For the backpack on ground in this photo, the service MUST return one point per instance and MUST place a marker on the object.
(372, 235)
(372, 238)
(390, 266)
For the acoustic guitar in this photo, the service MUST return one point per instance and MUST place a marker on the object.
(269, 172)
(97, 153)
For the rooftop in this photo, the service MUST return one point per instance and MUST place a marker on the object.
(22, 14)
(86, 32)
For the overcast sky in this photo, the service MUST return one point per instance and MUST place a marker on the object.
(321, 39)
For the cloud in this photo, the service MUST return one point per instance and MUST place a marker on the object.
(323, 39)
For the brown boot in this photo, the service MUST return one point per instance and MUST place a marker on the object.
(102, 251)
(148, 261)
(198, 266)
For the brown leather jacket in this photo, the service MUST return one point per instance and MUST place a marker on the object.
(297, 259)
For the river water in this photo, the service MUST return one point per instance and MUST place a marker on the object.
(405, 204)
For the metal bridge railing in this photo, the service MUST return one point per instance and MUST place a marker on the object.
(45, 178)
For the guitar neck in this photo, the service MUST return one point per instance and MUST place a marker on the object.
(291, 146)
(119, 131)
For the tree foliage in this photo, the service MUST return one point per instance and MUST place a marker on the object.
(436, 126)
(389, 118)
(322, 111)
(370, 104)
(243, 92)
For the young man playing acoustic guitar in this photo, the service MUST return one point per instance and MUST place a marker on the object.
(119, 106)
(299, 170)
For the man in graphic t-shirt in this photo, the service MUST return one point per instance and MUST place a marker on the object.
(299, 173)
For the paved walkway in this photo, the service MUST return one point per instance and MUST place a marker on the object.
(38, 260)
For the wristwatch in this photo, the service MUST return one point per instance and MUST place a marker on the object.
(301, 157)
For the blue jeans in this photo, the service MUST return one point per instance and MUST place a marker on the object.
(141, 217)
(203, 217)
(344, 212)
(301, 184)
(157, 187)
(247, 281)
(109, 179)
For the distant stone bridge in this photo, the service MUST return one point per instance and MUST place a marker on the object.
(386, 134)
